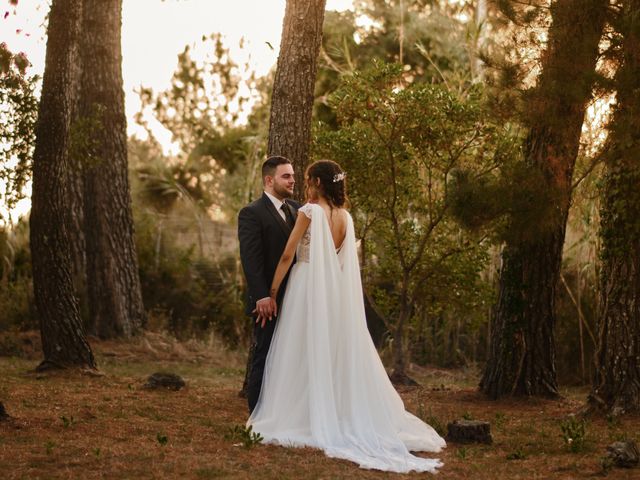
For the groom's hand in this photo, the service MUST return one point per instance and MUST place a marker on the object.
(265, 310)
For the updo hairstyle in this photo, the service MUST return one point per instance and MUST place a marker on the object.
(333, 181)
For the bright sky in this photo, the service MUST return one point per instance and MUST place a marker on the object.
(154, 32)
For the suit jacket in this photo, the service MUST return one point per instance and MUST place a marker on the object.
(263, 234)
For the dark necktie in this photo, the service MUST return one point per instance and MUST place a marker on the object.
(287, 213)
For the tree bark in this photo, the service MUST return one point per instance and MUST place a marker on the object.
(399, 375)
(293, 88)
(522, 353)
(616, 386)
(63, 339)
(75, 228)
(114, 293)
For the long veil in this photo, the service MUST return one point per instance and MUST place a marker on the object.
(325, 385)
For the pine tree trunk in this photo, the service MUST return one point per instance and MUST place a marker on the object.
(522, 353)
(522, 350)
(616, 386)
(75, 227)
(63, 339)
(293, 88)
(114, 292)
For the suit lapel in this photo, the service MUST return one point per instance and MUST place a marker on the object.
(276, 216)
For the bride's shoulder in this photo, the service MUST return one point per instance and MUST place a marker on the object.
(345, 213)
(308, 208)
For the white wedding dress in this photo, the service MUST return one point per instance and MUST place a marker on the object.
(324, 385)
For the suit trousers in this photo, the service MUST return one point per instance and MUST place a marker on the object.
(262, 340)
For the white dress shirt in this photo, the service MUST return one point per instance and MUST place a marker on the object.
(278, 204)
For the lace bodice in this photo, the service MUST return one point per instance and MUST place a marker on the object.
(302, 252)
(304, 247)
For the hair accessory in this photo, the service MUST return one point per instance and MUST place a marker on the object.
(338, 177)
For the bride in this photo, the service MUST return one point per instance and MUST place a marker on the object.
(324, 385)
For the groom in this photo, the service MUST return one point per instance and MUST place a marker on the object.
(263, 230)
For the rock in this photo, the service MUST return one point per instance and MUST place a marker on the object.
(401, 379)
(623, 454)
(469, 431)
(170, 381)
(3, 413)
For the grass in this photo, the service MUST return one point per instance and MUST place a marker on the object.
(73, 425)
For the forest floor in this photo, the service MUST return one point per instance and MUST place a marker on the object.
(83, 426)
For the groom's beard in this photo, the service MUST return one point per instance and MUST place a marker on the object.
(282, 191)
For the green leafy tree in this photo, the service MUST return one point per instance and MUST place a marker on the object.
(430, 39)
(401, 144)
(428, 36)
(18, 113)
(207, 99)
(217, 111)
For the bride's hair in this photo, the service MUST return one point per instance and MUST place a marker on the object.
(333, 181)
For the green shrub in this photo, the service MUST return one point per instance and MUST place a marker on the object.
(244, 435)
(16, 285)
(574, 431)
(186, 294)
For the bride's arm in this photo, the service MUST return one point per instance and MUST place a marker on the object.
(289, 253)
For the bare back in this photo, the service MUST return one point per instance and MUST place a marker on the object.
(337, 218)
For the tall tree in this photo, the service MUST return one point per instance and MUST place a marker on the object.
(74, 218)
(293, 88)
(63, 339)
(114, 294)
(522, 352)
(616, 386)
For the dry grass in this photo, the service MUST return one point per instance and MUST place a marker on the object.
(73, 425)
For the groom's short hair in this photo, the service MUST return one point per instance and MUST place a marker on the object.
(271, 164)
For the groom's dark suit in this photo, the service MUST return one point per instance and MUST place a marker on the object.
(263, 234)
